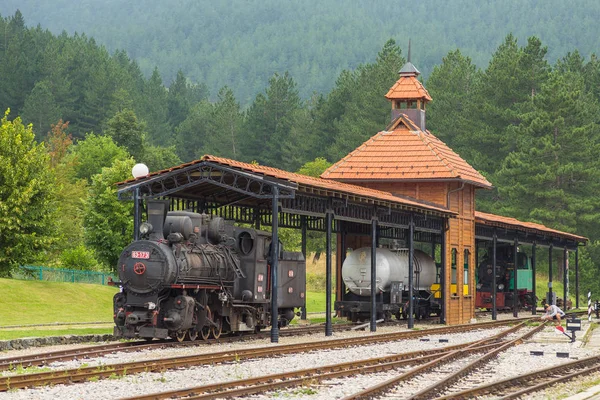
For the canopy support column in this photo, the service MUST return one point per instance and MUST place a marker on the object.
(565, 276)
(515, 279)
(577, 276)
(533, 295)
(443, 261)
(494, 244)
(411, 272)
(303, 247)
(549, 296)
(374, 274)
(328, 280)
(274, 266)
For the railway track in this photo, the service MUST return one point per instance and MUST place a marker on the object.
(286, 380)
(46, 358)
(447, 380)
(160, 365)
(41, 359)
(515, 387)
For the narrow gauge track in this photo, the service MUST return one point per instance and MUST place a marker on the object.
(515, 387)
(287, 380)
(41, 359)
(158, 365)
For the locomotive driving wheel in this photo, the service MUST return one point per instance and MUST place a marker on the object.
(205, 330)
(192, 332)
(217, 329)
(180, 335)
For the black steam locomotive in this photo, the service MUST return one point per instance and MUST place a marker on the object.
(195, 274)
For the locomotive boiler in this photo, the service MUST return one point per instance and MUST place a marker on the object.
(392, 284)
(196, 275)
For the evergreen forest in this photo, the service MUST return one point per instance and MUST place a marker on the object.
(77, 116)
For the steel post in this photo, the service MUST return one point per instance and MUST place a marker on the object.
(274, 266)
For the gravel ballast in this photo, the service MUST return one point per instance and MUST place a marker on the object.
(515, 361)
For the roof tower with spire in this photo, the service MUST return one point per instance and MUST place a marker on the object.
(406, 150)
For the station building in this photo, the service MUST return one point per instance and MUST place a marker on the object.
(406, 159)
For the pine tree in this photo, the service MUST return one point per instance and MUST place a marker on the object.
(127, 132)
(226, 126)
(191, 136)
(450, 114)
(363, 109)
(154, 111)
(550, 176)
(41, 108)
(270, 120)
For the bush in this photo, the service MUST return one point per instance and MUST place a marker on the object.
(79, 258)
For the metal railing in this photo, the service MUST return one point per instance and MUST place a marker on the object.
(34, 272)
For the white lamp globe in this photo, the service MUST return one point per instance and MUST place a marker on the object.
(139, 170)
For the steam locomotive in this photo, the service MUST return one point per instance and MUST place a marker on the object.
(197, 275)
(392, 285)
(505, 270)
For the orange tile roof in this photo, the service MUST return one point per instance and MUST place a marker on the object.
(498, 220)
(316, 183)
(408, 87)
(404, 153)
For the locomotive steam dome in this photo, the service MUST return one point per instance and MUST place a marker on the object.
(145, 265)
(391, 267)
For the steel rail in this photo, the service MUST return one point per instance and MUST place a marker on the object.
(433, 390)
(529, 383)
(41, 359)
(390, 383)
(271, 382)
(83, 374)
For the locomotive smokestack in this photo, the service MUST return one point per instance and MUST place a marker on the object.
(157, 213)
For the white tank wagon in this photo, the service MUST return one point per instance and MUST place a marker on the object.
(392, 284)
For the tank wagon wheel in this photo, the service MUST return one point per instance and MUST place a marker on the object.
(218, 328)
(180, 335)
(205, 330)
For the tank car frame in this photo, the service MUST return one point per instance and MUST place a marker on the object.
(392, 294)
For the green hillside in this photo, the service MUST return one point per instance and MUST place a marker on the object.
(37, 302)
(242, 43)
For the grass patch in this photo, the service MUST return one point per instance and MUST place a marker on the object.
(316, 301)
(20, 370)
(17, 334)
(39, 302)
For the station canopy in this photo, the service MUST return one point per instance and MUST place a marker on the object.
(244, 192)
(507, 229)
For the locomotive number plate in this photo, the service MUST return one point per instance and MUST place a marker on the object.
(140, 254)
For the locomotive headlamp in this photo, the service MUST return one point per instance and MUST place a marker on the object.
(145, 228)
